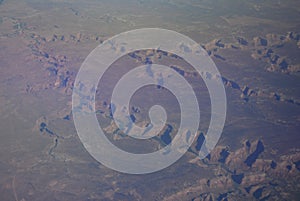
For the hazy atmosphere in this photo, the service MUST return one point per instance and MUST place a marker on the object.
(254, 44)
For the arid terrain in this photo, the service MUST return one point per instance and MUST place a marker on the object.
(256, 47)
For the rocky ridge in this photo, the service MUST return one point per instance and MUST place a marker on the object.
(263, 49)
(237, 177)
(62, 77)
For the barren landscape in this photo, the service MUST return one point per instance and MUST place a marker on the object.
(256, 47)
